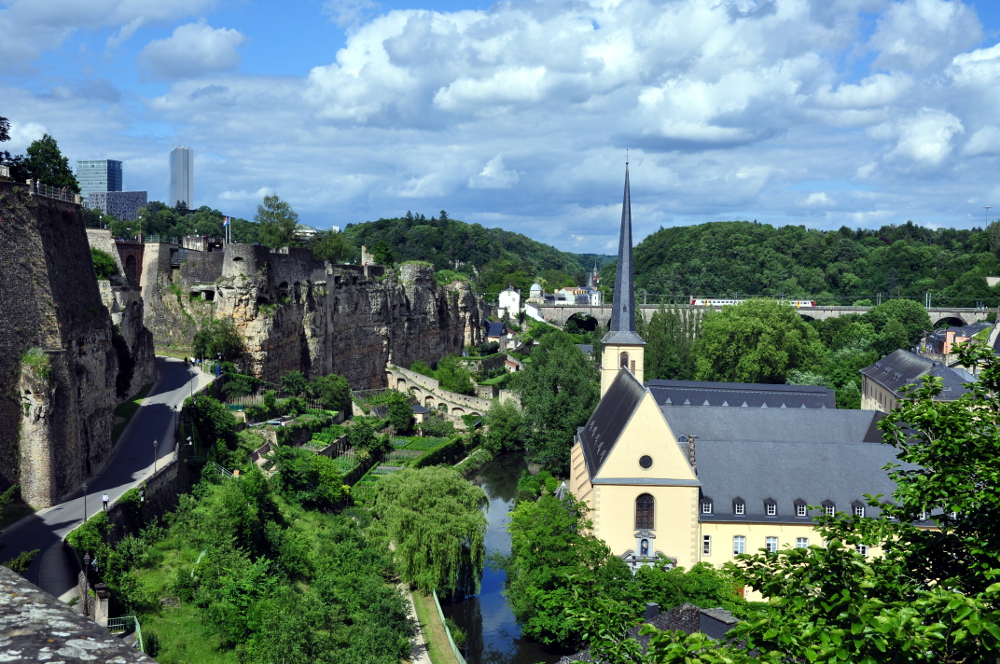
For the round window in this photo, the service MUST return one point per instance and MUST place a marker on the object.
(645, 461)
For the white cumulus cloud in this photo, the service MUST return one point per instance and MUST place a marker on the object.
(193, 49)
(926, 137)
(494, 176)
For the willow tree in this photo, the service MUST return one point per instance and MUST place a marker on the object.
(434, 523)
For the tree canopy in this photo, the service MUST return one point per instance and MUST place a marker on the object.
(218, 338)
(434, 521)
(47, 163)
(559, 391)
(277, 221)
(758, 341)
(744, 258)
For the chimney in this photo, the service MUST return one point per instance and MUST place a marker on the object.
(691, 457)
(652, 610)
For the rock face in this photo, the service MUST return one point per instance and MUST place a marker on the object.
(58, 365)
(296, 313)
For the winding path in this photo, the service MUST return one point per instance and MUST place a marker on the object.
(130, 462)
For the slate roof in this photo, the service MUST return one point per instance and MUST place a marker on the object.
(599, 435)
(902, 367)
(586, 349)
(820, 425)
(493, 329)
(698, 393)
(786, 472)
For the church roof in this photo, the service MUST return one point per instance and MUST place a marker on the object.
(699, 393)
(810, 471)
(776, 425)
(599, 435)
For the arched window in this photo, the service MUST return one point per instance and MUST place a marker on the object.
(624, 360)
(644, 511)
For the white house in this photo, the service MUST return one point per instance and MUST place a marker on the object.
(509, 303)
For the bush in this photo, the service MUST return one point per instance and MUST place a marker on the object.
(218, 338)
(448, 452)
(104, 264)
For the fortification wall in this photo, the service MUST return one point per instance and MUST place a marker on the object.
(56, 411)
(100, 238)
(201, 267)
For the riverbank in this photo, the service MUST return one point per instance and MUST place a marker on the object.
(438, 649)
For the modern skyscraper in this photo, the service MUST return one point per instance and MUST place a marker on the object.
(96, 175)
(182, 176)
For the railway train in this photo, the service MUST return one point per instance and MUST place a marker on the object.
(705, 302)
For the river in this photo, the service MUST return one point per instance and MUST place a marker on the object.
(494, 637)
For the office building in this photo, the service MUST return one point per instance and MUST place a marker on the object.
(122, 205)
(98, 175)
(182, 176)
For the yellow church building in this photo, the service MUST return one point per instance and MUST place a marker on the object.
(730, 469)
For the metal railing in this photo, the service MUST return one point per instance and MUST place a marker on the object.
(125, 624)
(222, 470)
(59, 193)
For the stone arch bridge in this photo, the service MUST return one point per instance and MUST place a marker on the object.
(558, 315)
(428, 393)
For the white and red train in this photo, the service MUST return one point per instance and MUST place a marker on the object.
(706, 302)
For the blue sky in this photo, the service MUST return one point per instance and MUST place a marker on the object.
(517, 114)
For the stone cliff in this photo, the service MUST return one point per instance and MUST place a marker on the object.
(58, 363)
(296, 313)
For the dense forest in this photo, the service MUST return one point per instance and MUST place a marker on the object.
(743, 258)
(491, 257)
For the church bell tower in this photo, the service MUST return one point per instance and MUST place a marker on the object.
(622, 346)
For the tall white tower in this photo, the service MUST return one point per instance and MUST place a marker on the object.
(182, 177)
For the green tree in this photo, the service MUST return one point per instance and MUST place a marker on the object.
(506, 428)
(399, 412)
(669, 336)
(559, 391)
(4, 129)
(218, 337)
(332, 246)
(311, 480)
(294, 383)
(910, 315)
(361, 435)
(48, 164)
(555, 564)
(332, 391)
(433, 520)
(277, 221)
(382, 254)
(454, 377)
(104, 264)
(757, 341)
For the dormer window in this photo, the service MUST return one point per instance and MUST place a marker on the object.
(801, 509)
(859, 509)
(770, 507)
(739, 507)
(829, 507)
(706, 505)
(923, 515)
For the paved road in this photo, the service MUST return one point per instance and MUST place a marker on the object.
(132, 461)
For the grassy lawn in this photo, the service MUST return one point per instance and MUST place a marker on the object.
(496, 380)
(428, 443)
(126, 410)
(169, 351)
(430, 624)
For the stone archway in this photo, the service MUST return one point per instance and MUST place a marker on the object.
(948, 321)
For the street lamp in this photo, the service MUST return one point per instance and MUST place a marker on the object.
(86, 582)
(85, 502)
(156, 444)
(987, 208)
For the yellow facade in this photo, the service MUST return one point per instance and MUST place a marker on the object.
(612, 359)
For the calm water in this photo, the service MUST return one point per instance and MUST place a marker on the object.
(494, 636)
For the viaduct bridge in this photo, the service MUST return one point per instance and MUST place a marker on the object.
(559, 314)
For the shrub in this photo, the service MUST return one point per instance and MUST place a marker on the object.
(104, 264)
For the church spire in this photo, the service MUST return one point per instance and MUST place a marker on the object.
(623, 312)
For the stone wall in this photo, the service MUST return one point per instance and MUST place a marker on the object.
(161, 492)
(56, 411)
(296, 313)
